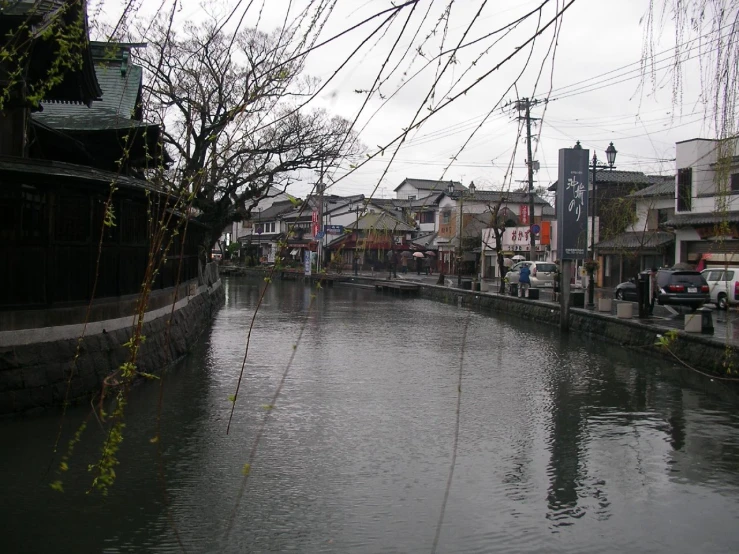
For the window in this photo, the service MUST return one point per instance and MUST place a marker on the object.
(734, 182)
(446, 215)
(663, 215)
(714, 275)
(426, 217)
(684, 189)
(411, 197)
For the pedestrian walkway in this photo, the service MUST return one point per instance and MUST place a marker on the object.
(725, 323)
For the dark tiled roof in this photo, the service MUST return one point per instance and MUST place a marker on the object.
(430, 185)
(632, 241)
(380, 221)
(425, 241)
(48, 170)
(120, 82)
(710, 218)
(77, 85)
(273, 211)
(510, 197)
(666, 188)
(618, 177)
(30, 7)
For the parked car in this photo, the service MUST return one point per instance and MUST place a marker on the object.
(542, 273)
(626, 290)
(677, 287)
(723, 285)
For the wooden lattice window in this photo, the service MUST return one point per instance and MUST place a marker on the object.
(684, 189)
(72, 218)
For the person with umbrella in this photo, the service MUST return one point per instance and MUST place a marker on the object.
(430, 266)
(404, 261)
(524, 280)
(419, 261)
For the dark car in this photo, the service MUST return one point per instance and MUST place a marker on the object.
(626, 290)
(677, 287)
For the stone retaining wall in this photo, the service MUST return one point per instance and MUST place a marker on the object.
(35, 373)
(701, 352)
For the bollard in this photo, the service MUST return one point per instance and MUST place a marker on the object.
(642, 294)
(706, 321)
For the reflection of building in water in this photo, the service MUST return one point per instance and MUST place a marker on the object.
(565, 468)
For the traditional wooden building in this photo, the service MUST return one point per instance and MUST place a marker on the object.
(59, 159)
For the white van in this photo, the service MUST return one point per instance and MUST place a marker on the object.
(723, 284)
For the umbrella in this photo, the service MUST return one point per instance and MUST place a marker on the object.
(405, 254)
(430, 253)
(418, 254)
(507, 262)
(518, 258)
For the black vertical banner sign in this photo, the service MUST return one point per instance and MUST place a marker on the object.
(572, 204)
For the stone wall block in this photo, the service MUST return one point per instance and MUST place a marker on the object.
(8, 359)
(11, 379)
(34, 376)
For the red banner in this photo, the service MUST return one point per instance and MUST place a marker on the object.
(524, 215)
(314, 220)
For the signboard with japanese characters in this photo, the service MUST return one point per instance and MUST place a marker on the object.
(524, 217)
(572, 204)
(314, 223)
(515, 239)
(306, 262)
(333, 229)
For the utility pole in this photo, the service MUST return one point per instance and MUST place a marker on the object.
(525, 105)
(320, 221)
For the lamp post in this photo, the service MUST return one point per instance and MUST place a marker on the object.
(462, 194)
(594, 166)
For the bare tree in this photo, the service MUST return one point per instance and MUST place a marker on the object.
(227, 103)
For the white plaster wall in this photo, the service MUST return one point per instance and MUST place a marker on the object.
(642, 210)
(700, 154)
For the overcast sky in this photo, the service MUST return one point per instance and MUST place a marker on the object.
(596, 95)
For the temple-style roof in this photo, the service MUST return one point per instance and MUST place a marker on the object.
(76, 86)
(120, 105)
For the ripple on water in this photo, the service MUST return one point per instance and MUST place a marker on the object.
(566, 445)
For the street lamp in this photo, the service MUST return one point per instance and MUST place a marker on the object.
(461, 195)
(259, 235)
(594, 166)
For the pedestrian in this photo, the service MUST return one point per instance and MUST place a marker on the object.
(653, 289)
(427, 266)
(392, 268)
(524, 280)
(555, 284)
(404, 264)
(419, 265)
(355, 264)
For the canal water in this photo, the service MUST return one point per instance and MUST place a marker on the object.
(565, 444)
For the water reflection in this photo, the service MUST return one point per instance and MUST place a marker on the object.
(566, 444)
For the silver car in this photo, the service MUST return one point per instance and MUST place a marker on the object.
(542, 273)
(723, 284)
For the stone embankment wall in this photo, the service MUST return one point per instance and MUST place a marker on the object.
(37, 365)
(699, 351)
